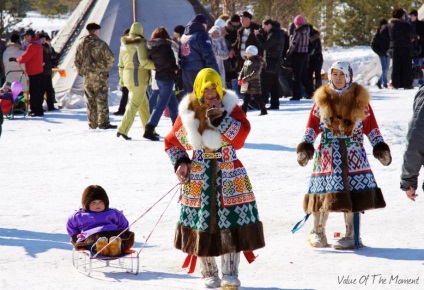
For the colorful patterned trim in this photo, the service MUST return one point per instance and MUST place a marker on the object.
(175, 153)
(229, 127)
(375, 137)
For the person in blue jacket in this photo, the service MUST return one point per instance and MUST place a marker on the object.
(196, 51)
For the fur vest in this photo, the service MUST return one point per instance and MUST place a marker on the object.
(342, 113)
(200, 132)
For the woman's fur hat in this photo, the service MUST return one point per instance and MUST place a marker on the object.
(94, 192)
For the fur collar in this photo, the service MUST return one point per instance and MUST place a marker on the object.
(200, 132)
(342, 113)
(132, 40)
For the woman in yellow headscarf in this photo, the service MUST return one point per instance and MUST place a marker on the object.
(219, 216)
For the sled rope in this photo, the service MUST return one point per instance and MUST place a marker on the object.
(151, 232)
(142, 215)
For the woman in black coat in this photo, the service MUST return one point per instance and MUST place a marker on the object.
(401, 36)
(162, 55)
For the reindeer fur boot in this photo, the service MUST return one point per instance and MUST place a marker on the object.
(209, 271)
(115, 246)
(230, 263)
(317, 237)
(348, 241)
(101, 244)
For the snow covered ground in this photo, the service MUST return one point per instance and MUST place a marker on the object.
(47, 162)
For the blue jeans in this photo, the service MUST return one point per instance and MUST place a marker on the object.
(235, 87)
(385, 64)
(419, 62)
(166, 98)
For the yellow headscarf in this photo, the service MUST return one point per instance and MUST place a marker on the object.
(205, 78)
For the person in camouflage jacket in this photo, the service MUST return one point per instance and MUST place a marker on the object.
(93, 60)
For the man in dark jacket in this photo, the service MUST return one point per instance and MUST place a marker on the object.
(401, 36)
(419, 29)
(298, 51)
(315, 57)
(196, 52)
(49, 59)
(380, 45)
(413, 158)
(246, 37)
(271, 41)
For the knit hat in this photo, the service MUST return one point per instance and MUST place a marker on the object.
(220, 23)
(205, 78)
(7, 85)
(235, 18)
(343, 66)
(246, 14)
(214, 28)
(253, 50)
(94, 192)
(92, 26)
(179, 29)
(383, 21)
(136, 30)
(200, 18)
(299, 20)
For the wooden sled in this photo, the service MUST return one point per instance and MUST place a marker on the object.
(85, 263)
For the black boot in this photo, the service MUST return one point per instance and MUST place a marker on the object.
(149, 133)
(263, 111)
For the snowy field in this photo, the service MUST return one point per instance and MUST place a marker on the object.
(47, 162)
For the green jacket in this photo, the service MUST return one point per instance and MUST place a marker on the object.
(134, 61)
(93, 55)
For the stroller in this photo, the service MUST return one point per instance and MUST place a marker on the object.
(12, 101)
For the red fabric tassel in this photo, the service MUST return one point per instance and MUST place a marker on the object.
(250, 257)
(190, 263)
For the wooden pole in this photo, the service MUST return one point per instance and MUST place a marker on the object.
(134, 10)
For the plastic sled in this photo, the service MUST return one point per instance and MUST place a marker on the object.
(85, 263)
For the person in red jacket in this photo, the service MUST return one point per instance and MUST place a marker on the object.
(33, 60)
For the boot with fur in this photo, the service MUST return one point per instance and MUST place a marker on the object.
(115, 246)
(230, 263)
(348, 241)
(100, 244)
(209, 271)
(317, 237)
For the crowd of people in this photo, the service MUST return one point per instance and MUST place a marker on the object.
(30, 61)
(400, 41)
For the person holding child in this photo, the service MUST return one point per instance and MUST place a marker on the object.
(342, 180)
(95, 225)
(219, 215)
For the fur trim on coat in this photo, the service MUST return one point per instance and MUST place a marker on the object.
(342, 113)
(200, 132)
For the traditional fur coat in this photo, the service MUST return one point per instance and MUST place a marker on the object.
(218, 208)
(342, 180)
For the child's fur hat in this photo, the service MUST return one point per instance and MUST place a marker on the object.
(94, 192)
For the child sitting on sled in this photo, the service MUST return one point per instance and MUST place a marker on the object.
(95, 225)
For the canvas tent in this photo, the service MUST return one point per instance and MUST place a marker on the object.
(114, 16)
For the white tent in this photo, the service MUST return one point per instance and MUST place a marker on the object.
(114, 16)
